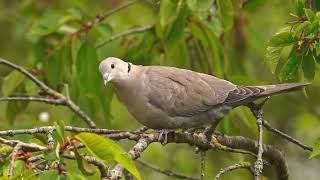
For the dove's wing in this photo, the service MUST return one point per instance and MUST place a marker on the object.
(184, 93)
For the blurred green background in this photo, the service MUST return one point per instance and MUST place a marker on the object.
(229, 43)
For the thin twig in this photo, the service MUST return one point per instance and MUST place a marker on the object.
(99, 18)
(49, 91)
(203, 164)
(14, 155)
(92, 160)
(27, 147)
(34, 99)
(166, 172)
(107, 14)
(243, 165)
(126, 33)
(45, 129)
(257, 112)
(286, 136)
(50, 141)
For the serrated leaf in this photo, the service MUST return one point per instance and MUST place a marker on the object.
(299, 7)
(203, 5)
(316, 149)
(30, 87)
(51, 20)
(308, 66)
(299, 27)
(14, 108)
(85, 168)
(317, 51)
(290, 69)
(5, 150)
(313, 29)
(310, 14)
(87, 74)
(75, 176)
(176, 32)
(11, 82)
(57, 64)
(49, 175)
(226, 13)
(60, 131)
(57, 151)
(167, 14)
(17, 171)
(75, 46)
(272, 57)
(280, 39)
(106, 150)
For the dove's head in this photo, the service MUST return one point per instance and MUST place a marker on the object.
(114, 69)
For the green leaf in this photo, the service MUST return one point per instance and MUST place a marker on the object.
(310, 14)
(87, 69)
(299, 7)
(167, 15)
(51, 20)
(103, 31)
(301, 26)
(272, 57)
(75, 176)
(105, 149)
(308, 66)
(85, 168)
(290, 69)
(60, 131)
(59, 65)
(176, 32)
(282, 38)
(5, 150)
(14, 108)
(17, 171)
(49, 175)
(316, 149)
(202, 5)
(11, 82)
(317, 51)
(226, 13)
(313, 29)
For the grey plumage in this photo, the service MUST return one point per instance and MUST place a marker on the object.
(167, 98)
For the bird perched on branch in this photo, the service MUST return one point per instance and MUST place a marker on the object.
(162, 97)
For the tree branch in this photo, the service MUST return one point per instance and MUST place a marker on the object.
(257, 112)
(203, 164)
(134, 153)
(47, 90)
(126, 33)
(286, 136)
(273, 155)
(243, 165)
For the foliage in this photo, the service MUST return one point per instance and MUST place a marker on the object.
(60, 43)
(302, 37)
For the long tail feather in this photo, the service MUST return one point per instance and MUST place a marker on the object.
(279, 88)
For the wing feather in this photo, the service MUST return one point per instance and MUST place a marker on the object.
(184, 93)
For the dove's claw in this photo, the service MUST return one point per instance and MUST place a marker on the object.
(162, 135)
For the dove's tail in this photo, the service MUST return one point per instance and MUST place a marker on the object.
(279, 88)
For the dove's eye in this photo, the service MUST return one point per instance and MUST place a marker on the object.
(112, 66)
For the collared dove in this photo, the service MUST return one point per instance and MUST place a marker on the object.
(162, 97)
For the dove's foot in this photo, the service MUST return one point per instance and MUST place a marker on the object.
(162, 135)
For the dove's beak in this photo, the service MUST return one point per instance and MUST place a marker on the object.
(106, 78)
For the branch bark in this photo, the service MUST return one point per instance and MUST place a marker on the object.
(60, 99)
